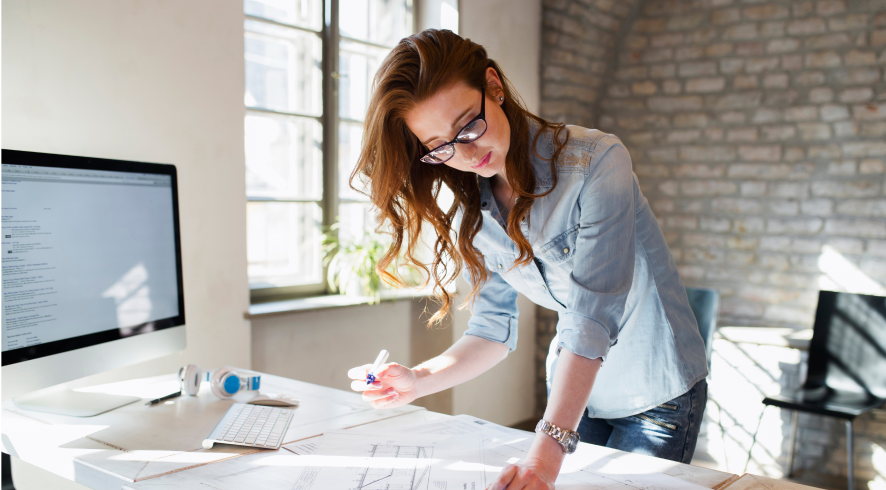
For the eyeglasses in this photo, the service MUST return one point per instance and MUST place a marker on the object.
(468, 134)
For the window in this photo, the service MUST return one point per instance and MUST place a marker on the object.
(309, 70)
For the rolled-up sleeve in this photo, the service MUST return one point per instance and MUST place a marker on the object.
(494, 312)
(604, 254)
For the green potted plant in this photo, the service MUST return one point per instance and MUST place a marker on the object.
(352, 265)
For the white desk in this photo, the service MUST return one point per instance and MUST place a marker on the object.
(137, 447)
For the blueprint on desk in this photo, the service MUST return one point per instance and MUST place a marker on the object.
(387, 461)
(585, 468)
(459, 452)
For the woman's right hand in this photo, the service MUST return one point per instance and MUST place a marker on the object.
(394, 385)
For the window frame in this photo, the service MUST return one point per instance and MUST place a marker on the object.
(330, 119)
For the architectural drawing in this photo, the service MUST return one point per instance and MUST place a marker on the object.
(385, 461)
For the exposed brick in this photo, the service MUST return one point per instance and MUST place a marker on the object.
(802, 113)
(742, 134)
(828, 41)
(675, 103)
(745, 100)
(848, 23)
(779, 133)
(691, 120)
(799, 226)
(842, 168)
(864, 148)
(765, 12)
(733, 205)
(855, 188)
(725, 16)
(745, 81)
(870, 228)
(684, 53)
(760, 153)
(823, 59)
(817, 207)
(878, 37)
(860, 94)
(741, 31)
(759, 171)
(806, 26)
(708, 188)
(871, 167)
(757, 65)
(683, 136)
(814, 131)
(856, 57)
(775, 80)
(705, 85)
(869, 111)
(789, 189)
(856, 76)
(695, 69)
(821, 94)
(707, 154)
(863, 207)
(844, 129)
(645, 87)
(830, 7)
(834, 112)
(784, 45)
(719, 49)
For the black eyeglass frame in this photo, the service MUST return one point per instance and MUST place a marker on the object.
(481, 117)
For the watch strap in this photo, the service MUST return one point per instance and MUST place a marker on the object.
(568, 439)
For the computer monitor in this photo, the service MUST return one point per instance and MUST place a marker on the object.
(92, 274)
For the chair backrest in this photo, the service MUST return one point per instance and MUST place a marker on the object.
(705, 303)
(848, 348)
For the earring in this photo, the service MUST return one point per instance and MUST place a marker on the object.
(500, 98)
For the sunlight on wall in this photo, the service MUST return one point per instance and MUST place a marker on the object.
(448, 17)
(842, 275)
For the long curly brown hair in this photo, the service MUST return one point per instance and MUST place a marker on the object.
(405, 190)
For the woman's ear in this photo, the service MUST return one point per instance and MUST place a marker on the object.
(493, 81)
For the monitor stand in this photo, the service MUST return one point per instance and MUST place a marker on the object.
(72, 403)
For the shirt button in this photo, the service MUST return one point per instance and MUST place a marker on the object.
(544, 288)
(566, 250)
(499, 266)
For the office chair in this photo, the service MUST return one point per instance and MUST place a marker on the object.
(847, 366)
(705, 303)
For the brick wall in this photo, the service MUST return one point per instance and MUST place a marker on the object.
(579, 45)
(758, 132)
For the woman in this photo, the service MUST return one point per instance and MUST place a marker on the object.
(553, 212)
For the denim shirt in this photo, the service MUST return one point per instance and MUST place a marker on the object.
(602, 263)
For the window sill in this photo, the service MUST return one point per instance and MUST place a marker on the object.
(326, 301)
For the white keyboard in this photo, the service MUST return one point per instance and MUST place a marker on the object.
(251, 425)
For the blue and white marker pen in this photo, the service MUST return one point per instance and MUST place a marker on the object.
(381, 359)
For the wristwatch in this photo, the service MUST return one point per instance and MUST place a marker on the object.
(568, 439)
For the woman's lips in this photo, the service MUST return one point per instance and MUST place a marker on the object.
(483, 162)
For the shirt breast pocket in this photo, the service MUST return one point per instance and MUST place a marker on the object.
(561, 250)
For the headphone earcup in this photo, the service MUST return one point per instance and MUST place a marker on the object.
(225, 383)
(190, 378)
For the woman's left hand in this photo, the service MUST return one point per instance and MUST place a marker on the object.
(529, 475)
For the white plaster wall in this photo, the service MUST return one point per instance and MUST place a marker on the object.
(153, 81)
(510, 30)
(320, 346)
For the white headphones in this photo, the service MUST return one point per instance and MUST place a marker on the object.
(224, 382)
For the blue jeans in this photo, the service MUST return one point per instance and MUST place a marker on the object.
(668, 431)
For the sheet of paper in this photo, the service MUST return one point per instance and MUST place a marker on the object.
(376, 461)
(585, 468)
